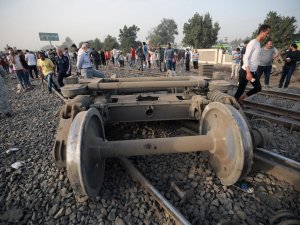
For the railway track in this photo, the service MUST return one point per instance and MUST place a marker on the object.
(275, 106)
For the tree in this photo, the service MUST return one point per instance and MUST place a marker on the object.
(96, 44)
(127, 37)
(67, 43)
(200, 32)
(282, 29)
(164, 33)
(110, 42)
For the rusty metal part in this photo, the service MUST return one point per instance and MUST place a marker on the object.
(182, 194)
(87, 148)
(192, 82)
(72, 80)
(218, 96)
(137, 176)
(67, 114)
(71, 90)
(272, 109)
(218, 76)
(262, 137)
(232, 158)
(279, 166)
(220, 85)
(85, 165)
(123, 108)
(197, 105)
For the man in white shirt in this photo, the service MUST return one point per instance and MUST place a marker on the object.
(251, 61)
(31, 61)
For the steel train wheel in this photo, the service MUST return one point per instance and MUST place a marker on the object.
(85, 167)
(232, 157)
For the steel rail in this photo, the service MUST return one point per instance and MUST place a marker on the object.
(285, 95)
(272, 109)
(137, 176)
(278, 166)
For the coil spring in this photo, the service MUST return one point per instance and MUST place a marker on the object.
(216, 96)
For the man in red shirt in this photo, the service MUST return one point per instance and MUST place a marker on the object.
(132, 58)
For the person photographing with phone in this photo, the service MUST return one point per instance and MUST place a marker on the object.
(251, 61)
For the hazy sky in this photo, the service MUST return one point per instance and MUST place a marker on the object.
(22, 20)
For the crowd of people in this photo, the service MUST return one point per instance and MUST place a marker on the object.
(248, 64)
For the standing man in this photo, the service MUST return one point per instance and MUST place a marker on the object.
(146, 52)
(66, 53)
(169, 57)
(46, 68)
(251, 61)
(96, 58)
(187, 60)
(132, 56)
(268, 53)
(236, 60)
(140, 54)
(31, 61)
(292, 57)
(159, 56)
(195, 58)
(62, 66)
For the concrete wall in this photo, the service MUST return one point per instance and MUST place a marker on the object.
(214, 56)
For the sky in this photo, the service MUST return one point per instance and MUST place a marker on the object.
(81, 20)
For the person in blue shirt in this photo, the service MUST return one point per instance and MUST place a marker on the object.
(169, 57)
(236, 62)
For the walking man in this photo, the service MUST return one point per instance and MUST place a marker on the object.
(47, 70)
(31, 61)
(268, 53)
(62, 66)
(251, 61)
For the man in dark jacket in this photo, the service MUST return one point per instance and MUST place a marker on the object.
(62, 66)
(292, 57)
(96, 58)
